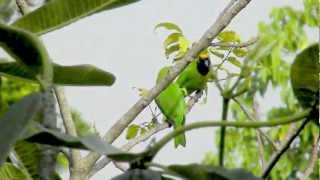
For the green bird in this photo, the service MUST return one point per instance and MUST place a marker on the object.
(196, 75)
(304, 76)
(173, 106)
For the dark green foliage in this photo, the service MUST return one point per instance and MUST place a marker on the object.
(305, 76)
(14, 122)
(139, 174)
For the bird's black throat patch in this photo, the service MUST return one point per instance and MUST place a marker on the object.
(203, 66)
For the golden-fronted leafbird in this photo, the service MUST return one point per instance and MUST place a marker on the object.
(196, 75)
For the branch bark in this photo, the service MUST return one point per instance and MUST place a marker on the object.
(75, 167)
(48, 153)
(223, 20)
(313, 159)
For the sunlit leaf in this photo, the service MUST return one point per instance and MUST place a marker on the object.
(234, 61)
(132, 131)
(240, 52)
(229, 36)
(171, 39)
(10, 172)
(168, 26)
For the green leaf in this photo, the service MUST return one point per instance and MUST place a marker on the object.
(168, 26)
(240, 52)
(14, 122)
(59, 13)
(41, 135)
(77, 75)
(205, 172)
(27, 49)
(171, 49)
(82, 75)
(83, 128)
(9, 172)
(132, 131)
(229, 36)
(183, 47)
(234, 61)
(29, 155)
(171, 39)
(311, 12)
(215, 52)
(139, 174)
(126, 157)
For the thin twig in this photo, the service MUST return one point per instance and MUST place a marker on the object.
(202, 124)
(238, 45)
(120, 125)
(225, 106)
(277, 155)
(313, 159)
(273, 145)
(259, 134)
(70, 127)
(22, 7)
(119, 166)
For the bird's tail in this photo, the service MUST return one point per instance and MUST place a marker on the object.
(180, 140)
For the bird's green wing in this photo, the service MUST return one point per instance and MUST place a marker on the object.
(172, 104)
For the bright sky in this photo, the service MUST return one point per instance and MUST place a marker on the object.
(123, 42)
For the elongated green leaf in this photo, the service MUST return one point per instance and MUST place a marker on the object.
(78, 75)
(58, 13)
(171, 50)
(9, 172)
(171, 39)
(139, 174)
(38, 134)
(205, 172)
(14, 122)
(169, 26)
(27, 49)
(234, 61)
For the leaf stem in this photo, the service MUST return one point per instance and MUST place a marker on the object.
(202, 124)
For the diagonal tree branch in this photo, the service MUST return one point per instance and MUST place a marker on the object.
(65, 111)
(313, 159)
(223, 20)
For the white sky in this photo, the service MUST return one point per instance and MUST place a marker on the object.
(123, 42)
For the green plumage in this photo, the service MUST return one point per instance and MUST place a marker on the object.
(195, 76)
(172, 104)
